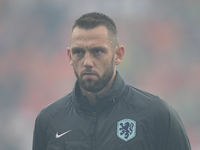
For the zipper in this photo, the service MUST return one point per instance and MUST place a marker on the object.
(92, 131)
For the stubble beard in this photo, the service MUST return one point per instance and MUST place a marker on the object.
(94, 86)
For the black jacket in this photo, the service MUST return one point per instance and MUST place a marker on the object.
(124, 119)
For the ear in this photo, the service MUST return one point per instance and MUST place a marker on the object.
(119, 54)
(69, 56)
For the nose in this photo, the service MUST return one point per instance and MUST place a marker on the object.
(88, 60)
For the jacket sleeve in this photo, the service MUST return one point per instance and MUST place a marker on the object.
(170, 130)
(39, 141)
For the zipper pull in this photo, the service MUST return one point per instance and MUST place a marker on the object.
(93, 123)
(94, 117)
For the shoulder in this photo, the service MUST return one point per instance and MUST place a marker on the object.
(152, 106)
(139, 96)
(163, 118)
(145, 100)
(59, 104)
(54, 108)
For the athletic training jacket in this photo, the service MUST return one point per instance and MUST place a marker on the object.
(124, 119)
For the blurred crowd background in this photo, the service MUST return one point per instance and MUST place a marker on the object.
(161, 39)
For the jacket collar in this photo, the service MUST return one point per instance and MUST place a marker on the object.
(104, 102)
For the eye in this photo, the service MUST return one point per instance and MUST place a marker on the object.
(78, 52)
(97, 51)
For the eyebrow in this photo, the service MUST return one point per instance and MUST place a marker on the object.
(98, 47)
(77, 48)
(90, 49)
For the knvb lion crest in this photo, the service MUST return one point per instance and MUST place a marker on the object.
(126, 129)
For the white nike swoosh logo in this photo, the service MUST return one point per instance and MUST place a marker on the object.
(59, 135)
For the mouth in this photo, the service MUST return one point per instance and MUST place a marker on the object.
(88, 74)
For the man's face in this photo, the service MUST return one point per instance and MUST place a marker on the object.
(92, 57)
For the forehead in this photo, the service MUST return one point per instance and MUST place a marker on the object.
(90, 37)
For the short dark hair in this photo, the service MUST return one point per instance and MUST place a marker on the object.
(95, 19)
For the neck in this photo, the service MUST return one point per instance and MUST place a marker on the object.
(92, 96)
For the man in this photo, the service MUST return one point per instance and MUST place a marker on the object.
(102, 112)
